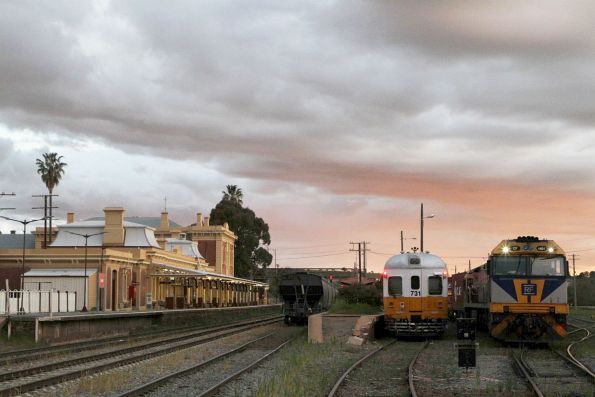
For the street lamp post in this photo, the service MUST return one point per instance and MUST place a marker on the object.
(24, 222)
(404, 238)
(421, 219)
(86, 237)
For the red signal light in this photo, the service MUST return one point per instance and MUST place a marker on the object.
(384, 274)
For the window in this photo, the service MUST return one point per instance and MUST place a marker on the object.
(509, 265)
(414, 260)
(525, 265)
(547, 266)
(395, 286)
(414, 282)
(435, 285)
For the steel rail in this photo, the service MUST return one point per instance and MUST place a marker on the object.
(576, 361)
(356, 364)
(74, 347)
(147, 387)
(410, 370)
(76, 373)
(521, 366)
(94, 357)
(213, 390)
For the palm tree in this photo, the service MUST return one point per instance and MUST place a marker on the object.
(51, 169)
(233, 194)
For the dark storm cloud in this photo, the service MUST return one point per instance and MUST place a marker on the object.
(402, 86)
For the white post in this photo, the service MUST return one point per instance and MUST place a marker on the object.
(7, 299)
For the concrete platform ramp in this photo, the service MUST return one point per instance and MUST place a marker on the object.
(347, 328)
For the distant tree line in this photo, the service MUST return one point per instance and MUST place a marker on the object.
(585, 286)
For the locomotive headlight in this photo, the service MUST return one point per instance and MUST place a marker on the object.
(550, 250)
(505, 249)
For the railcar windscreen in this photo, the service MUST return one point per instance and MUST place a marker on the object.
(395, 286)
(435, 285)
(414, 282)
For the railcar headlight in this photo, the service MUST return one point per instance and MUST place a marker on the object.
(550, 250)
(505, 249)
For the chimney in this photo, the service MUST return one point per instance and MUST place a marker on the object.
(13, 232)
(199, 219)
(114, 226)
(70, 217)
(164, 221)
(206, 223)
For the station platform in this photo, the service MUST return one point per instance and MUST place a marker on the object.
(71, 327)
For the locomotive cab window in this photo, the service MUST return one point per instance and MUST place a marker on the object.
(414, 282)
(509, 265)
(547, 266)
(435, 285)
(395, 286)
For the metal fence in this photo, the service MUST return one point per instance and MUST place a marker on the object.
(32, 301)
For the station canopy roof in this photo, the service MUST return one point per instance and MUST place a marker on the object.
(59, 272)
(186, 247)
(175, 271)
(135, 235)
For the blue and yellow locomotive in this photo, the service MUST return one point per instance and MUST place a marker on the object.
(521, 292)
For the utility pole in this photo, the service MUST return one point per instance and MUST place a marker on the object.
(359, 258)
(359, 262)
(7, 194)
(24, 222)
(404, 238)
(366, 258)
(421, 226)
(276, 265)
(46, 215)
(361, 252)
(574, 279)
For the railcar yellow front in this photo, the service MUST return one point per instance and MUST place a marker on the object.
(415, 290)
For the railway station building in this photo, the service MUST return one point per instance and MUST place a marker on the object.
(135, 263)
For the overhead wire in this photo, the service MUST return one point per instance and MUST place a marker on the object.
(314, 256)
(311, 246)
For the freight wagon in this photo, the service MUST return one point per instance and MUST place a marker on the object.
(304, 294)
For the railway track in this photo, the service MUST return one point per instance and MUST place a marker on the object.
(571, 356)
(208, 377)
(16, 356)
(28, 379)
(550, 373)
(375, 380)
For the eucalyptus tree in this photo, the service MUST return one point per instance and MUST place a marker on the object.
(51, 169)
(253, 234)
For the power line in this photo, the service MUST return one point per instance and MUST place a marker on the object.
(309, 246)
(314, 256)
(307, 252)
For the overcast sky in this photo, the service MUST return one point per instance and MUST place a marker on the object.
(336, 118)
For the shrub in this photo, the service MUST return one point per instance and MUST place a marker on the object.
(357, 293)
